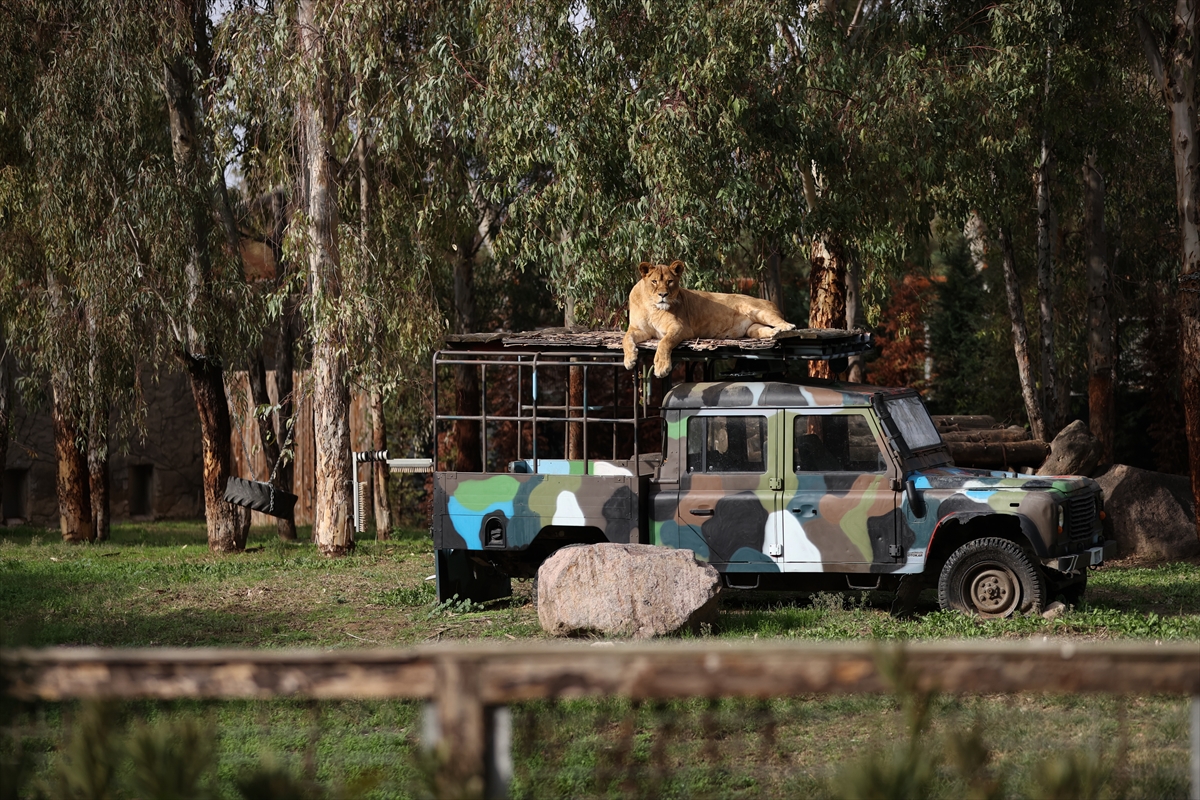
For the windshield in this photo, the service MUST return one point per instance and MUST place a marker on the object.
(914, 423)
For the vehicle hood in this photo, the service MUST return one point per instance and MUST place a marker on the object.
(961, 478)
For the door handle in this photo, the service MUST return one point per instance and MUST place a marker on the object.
(804, 511)
(700, 512)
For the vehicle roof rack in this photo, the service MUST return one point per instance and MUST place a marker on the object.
(810, 344)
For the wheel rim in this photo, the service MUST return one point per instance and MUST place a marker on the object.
(993, 591)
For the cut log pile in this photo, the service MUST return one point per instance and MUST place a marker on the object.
(981, 442)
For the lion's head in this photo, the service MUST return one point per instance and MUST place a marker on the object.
(662, 282)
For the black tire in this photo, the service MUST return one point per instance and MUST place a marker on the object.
(261, 497)
(992, 578)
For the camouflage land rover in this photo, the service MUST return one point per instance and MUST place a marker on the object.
(779, 481)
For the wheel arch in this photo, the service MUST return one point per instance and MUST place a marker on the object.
(955, 530)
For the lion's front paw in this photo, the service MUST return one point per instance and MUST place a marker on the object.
(662, 366)
(787, 326)
(630, 361)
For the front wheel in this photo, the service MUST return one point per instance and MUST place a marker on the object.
(993, 578)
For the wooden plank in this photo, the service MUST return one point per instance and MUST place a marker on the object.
(666, 670)
(61, 673)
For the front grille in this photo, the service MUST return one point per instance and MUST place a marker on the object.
(1081, 519)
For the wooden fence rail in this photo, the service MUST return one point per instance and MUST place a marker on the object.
(469, 686)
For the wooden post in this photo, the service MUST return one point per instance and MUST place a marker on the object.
(461, 749)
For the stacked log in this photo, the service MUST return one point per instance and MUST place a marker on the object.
(979, 441)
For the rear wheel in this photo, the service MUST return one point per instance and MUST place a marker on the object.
(993, 578)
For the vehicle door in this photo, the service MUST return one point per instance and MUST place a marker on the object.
(730, 491)
(838, 498)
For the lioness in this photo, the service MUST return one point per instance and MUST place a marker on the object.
(660, 307)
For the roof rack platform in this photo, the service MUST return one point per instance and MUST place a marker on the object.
(810, 344)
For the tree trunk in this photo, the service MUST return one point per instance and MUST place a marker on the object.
(74, 502)
(827, 294)
(575, 378)
(1020, 334)
(267, 436)
(383, 508)
(97, 461)
(284, 364)
(5, 414)
(332, 528)
(466, 379)
(1175, 74)
(855, 317)
(1102, 414)
(228, 525)
(1045, 283)
(771, 285)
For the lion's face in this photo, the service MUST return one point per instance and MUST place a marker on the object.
(662, 282)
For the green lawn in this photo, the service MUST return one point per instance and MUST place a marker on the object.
(157, 585)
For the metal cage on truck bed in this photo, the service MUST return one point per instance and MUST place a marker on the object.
(543, 400)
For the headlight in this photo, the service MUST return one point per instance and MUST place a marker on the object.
(1062, 518)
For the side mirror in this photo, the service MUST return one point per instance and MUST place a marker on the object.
(916, 500)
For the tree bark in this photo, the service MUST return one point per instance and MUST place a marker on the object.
(98, 480)
(74, 501)
(855, 317)
(332, 528)
(382, 502)
(1174, 69)
(1102, 414)
(1045, 284)
(1020, 334)
(827, 293)
(284, 364)
(466, 379)
(771, 285)
(5, 413)
(267, 435)
(228, 525)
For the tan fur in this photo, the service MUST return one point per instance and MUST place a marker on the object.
(690, 315)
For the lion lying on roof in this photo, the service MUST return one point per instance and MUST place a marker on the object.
(660, 307)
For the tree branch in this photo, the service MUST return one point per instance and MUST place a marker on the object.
(1153, 54)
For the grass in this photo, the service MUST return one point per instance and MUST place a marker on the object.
(157, 585)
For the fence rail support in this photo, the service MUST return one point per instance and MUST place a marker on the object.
(470, 686)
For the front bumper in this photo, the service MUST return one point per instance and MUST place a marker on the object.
(1077, 562)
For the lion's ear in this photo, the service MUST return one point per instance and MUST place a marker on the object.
(645, 268)
(676, 268)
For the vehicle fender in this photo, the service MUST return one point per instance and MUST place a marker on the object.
(1029, 528)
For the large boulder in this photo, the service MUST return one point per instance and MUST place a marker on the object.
(1073, 452)
(636, 590)
(1152, 514)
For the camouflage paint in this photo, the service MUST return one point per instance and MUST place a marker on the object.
(814, 522)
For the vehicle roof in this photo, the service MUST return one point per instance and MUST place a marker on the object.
(774, 394)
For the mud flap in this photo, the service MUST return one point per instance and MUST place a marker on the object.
(458, 574)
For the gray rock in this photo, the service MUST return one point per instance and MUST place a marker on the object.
(635, 590)
(1152, 514)
(1073, 452)
(1054, 610)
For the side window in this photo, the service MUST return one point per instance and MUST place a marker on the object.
(727, 444)
(835, 443)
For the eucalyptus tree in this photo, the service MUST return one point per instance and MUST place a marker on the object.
(76, 176)
(1170, 42)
